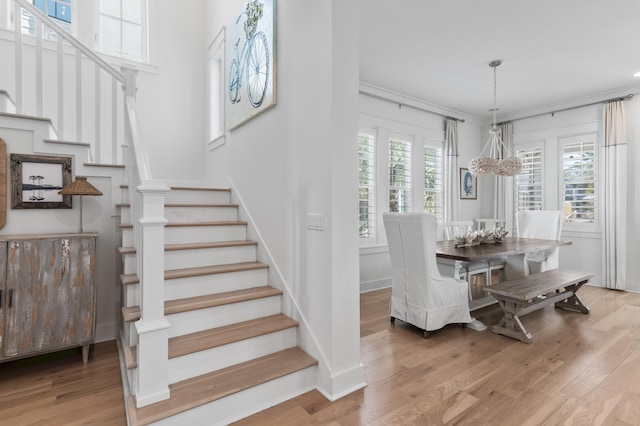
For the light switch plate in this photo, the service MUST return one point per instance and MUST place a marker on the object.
(315, 221)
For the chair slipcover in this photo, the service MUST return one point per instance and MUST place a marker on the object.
(420, 295)
(546, 225)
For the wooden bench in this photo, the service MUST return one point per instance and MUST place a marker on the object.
(520, 296)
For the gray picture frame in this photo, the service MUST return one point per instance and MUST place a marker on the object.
(36, 180)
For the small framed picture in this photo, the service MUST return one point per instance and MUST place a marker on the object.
(36, 180)
(468, 185)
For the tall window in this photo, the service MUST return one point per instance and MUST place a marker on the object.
(528, 184)
(366, 185)
(397, 172)
(123, 28)
(579, 189)
(432, 188)
(399, 175)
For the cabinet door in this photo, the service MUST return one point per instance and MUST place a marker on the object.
(50, 300)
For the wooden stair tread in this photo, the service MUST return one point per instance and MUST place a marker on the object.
(132, 313)
(186, 224)
(206, 388)
(218, 205)
(184, 345)
(190, 188)
(198, 271)
(208, 223)
(216, 337)
(187, 246)
(188, 204)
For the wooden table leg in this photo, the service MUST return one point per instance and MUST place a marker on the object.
(574, 302)
(510, 324)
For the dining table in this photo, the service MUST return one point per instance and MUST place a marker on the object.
(452, 259)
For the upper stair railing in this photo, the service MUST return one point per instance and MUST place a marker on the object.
(146, 195)
(88, 108)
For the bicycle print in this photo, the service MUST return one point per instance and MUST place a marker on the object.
(250, 81)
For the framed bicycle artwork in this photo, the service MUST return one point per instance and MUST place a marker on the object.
(250, 54)
(468, 185)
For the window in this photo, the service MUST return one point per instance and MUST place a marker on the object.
(432, 189)
(216, 91)
(366, 185)
(399, 175)
(397, 172)
(579, 193)
(123, 28)
(528, 184)
(58, 10)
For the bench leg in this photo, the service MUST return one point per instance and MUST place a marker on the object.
(574, 302)
(510, 324)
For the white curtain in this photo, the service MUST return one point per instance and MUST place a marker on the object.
(451, 173)
(503, 186)
(614, 216)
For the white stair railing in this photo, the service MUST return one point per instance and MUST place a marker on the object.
(146, 197)
(146, 194)
(36, 95)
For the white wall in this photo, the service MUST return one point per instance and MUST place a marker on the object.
(296, 159)
(172, 100)
(375, 265)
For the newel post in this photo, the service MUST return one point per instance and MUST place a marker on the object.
(129, 84)
(153, 327)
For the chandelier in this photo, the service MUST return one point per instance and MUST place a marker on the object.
(494, 163)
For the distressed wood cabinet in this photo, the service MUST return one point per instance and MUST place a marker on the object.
(47, 293)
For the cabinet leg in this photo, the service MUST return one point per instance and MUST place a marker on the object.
(85, 354)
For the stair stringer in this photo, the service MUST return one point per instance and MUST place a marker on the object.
(326, 377)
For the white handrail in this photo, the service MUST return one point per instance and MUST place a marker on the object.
(141, 157)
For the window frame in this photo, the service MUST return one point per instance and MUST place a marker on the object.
(372, 239)
(523, 147)
(419, 142)
(563, 141)
(144, 32)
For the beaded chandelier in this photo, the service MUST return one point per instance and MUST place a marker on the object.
(494, 163)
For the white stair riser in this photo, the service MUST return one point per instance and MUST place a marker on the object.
(218, 316)
(189, 214)
(200, 214)
(124, 195)
(250, 401)
(129, 263)
(204, 234)
(127, 237)
(195, 364)
(201, 285)
(125, 214)
(192, 258)
(129, 334)
(130, 295)
(189, 196)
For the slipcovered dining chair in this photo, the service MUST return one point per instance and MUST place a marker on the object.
(420, 295)
(542, 224)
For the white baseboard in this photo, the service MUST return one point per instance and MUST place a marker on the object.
(367, 286)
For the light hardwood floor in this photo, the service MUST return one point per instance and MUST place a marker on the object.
(580, 369)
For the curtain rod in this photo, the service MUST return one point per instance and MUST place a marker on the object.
(400, 104)
(629, 96)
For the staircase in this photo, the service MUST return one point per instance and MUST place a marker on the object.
(231, 350)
